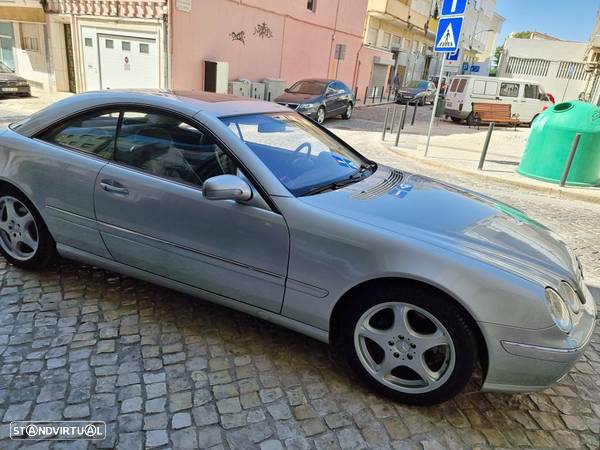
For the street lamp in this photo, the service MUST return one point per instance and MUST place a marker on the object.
(473, 37)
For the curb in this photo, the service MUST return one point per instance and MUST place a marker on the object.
(369, 105)
(563, 193)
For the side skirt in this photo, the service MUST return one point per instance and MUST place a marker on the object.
(88, 258)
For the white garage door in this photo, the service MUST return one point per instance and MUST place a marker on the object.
(127, 62)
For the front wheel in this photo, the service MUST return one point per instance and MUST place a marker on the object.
(24, 238)
(410, 343)
(321, 115)
(348, 113)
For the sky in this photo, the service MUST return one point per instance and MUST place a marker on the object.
(571, 20)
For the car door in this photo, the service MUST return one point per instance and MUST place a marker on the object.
(67, 161)
(332, 100)
(153, 216)
(531, 103)
(509, 93)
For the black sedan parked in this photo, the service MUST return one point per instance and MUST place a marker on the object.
(419, 92)
(11, 84)
(319, 99)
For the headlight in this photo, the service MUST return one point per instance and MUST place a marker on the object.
(305, 106)
(570, 297)
(558, 310)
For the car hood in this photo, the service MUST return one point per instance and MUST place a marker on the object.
(290, 97)
(411, 91)
(10, 77)
(453, 218)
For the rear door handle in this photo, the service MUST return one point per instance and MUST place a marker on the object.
(113, 187)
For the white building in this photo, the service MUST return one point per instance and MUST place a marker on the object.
(480, 31)
(559, 66)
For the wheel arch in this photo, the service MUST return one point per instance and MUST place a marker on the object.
(337, 312)
(6, 184)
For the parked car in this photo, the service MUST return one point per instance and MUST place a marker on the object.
(12, 84)
(419, 92)
(319, 99)
(253, 206)
(528, 99)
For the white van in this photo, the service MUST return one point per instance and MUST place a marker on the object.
(527, 98)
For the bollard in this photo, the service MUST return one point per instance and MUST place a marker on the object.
(565, 175)
(387, 113)
(486, 144)
(366, 93)
(393, 118)
(374, 94)
(382, 92)
(389, 93)
(412, 121)
(404, 111)
(400, 121)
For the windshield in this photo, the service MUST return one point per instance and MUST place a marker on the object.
(4, 68)
(417, 84)
(307, 87)
(300, 155)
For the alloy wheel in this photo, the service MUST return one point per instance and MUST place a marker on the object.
(404, 347)
(19, 236)
(321, 115)
(349, 110)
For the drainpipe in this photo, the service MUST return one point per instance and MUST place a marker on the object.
(337, 10)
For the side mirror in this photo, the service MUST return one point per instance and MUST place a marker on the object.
(286, 90)
(226, 187)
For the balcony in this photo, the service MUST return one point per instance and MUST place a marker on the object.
(146, 9)
(398, 13)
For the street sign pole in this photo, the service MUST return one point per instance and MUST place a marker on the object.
(435, 102)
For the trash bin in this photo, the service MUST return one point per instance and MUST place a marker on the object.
(439, 110)
(550, 140)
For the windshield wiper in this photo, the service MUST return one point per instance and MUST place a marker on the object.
(353, 178)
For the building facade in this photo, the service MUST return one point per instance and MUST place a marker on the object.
(108, 44)
(24, 41)
(559, 66)
(404, 30)
(258, 39)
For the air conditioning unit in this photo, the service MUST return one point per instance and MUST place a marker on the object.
(257, 91)
(216, 76)
(273, 88)
(239, 88)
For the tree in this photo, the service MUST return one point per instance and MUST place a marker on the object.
(522, 34)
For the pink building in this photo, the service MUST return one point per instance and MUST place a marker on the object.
(116, 44)
(260, 39)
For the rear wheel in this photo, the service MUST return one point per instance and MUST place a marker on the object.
(456, 119)
(24, 238)
(410, 343)
(471, 120)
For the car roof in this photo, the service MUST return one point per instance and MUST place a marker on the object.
(188, 103)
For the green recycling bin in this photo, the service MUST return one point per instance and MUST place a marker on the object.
(550, 141)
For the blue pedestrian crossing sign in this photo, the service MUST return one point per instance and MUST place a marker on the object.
(448, 35)
(454, 7)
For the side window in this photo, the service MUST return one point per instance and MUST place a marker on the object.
(491, 87)
(479, 87)
(164, 145)
(532, 91)
(331, 90)
(461, 85)
(91, 133)
(454, 85)
(509, 90)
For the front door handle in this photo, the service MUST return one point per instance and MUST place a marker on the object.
(113, 187)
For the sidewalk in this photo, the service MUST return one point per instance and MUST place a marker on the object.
(17, 107)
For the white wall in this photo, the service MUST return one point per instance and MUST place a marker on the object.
(554, 52)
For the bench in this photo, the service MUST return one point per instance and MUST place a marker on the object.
(493, 112)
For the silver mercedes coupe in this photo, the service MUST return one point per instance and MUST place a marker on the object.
(253, 206)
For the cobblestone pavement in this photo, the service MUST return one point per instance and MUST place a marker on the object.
(166, 370)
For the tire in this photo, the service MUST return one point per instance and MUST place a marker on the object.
(24, 237)
(422, 101)
(471, 120)
(456, 119)
(448, 366)
(348, 113)
(320, 115)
